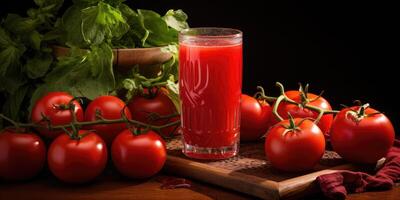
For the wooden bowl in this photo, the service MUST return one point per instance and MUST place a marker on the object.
(149, 60)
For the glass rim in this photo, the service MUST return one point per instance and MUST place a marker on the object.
(205, 33)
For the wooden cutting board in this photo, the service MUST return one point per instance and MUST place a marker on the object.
(250, 172)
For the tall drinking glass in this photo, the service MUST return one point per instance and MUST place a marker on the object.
(210, 84)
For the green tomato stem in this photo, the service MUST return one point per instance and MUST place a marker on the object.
(14, 123)
(261, 95)
(284, 98)
(275, 108)
(90, 123)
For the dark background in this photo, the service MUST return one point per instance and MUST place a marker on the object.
(347, 48)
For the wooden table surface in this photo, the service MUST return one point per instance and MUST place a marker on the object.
(111, 186)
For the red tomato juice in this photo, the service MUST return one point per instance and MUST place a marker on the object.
(210, 83)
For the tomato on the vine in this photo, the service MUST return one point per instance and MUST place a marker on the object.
(54, 108)
(303, 97)
(294, 145)
(154, 102)
(361, 134)
(77, 160)
(22, 155)
(255, 118)
(138, 156)
(107, 107)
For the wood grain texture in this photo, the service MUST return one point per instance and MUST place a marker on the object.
(113, 187)
(127, 57)
(109, 187)
(250, 172)
(233, 180)
(303, 184)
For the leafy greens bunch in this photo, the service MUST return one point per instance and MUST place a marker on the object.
(28, 68)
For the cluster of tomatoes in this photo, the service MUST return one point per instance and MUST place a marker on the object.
(77, 156)
(359, 134)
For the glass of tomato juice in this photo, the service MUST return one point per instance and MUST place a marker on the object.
(210, 86)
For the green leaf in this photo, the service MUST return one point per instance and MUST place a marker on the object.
(46, 3)
(114, 3)
(55, 34)
(172, 49)
(35, 39)
(10, 57)
(37, 66)
(129, 40)
(13, 79)
(5, 39)
(12, 106)
(20, 25)
(169, 68)
(102, 80)
(139, 30)
(129, 84)
(173, 93)
(24, 29)
(136, 35)
(45, 13)
(176, 19)
(67, 64)
(97, 62)
(159, 32)
(167, 73)
(89, 75)
(10, 85)
(102, 22)
(71, 23)
(86, 2)
(149, 29)
(40, 2)
(173, 66)
(127, 13)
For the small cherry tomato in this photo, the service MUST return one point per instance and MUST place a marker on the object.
(156, 102)
(22, 155)
(54, 107)
(255, 118)
(294, 145)
(138, 156)
(361, 134)
(300, 112)
(107, 107)
(75, 160)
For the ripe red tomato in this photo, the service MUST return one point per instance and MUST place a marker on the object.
(361, 137)
(138, 156)
(141, 106)
(299, 112)
(109, 107)
(294, 150)
(22, 155)
(77, 161)
(255, 118)
(54, 106)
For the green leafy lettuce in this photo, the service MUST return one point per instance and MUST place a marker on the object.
(90, 29)
(85, 74)
(24, 58)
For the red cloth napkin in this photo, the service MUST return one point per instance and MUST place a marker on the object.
(338, 184)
